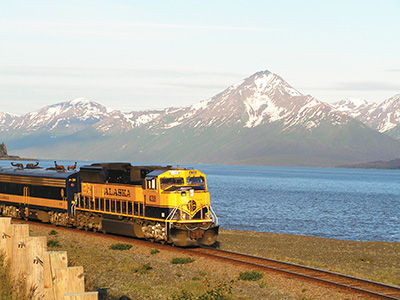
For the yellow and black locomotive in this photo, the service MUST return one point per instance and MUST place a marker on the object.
(162, 204)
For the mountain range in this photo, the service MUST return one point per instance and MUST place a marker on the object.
(260, 120)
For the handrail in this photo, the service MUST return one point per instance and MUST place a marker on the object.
(214, 216)
(169, 218)
(172, 213)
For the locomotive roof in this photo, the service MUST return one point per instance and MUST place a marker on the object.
(37, 173)
(172, 171)
(156, 173)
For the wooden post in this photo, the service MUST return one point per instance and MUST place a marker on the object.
(81, 296)
(47, 272)
(36, 246)
(69, 281)
(18, 249)
(5, 236)
(51, 261)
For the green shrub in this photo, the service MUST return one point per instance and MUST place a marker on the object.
(184, 295)
(221, 291)
(53, 244)
(53, 232)
(250, 276)
(143, 269)
(120, 246)
(182, 260)
(195, 278)
(154, 251)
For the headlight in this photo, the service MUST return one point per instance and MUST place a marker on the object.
(183, 216)
(183, 194)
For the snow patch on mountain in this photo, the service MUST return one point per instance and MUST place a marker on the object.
(349, 104)
(256, 117)
(144, 119)
(383, 117)
(352, 106)
(79, 101)
(173, 124)
(200, 105)
(388, 123)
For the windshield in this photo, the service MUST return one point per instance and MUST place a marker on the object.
(196, 181)
(167, 182)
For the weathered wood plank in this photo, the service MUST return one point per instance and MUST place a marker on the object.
(5, 236)
(69, 281)
(18, 249)
(51, 261)
(35, 246)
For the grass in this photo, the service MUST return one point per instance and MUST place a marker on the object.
(12, 289)
(220, 291)
(143, 273)
(143, 269)
(53, 232)
(250, 276)
(120, 246)
(264, 284)
(53, 244)
(182, 260)
(377, 261)
(154, 251)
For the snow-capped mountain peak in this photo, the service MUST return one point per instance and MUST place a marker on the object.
(79, 101)
(353, 107)
(348, 104)
(68, 116)
(267, 82)
(261, 99)
(6, 120)
(384, 117)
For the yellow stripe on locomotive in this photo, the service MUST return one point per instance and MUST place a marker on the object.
(163, 204)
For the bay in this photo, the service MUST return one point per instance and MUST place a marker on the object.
(348, 204)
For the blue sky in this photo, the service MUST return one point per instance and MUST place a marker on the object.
(136, 55)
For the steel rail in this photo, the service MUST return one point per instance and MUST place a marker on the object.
(344, 282)
(347, 283)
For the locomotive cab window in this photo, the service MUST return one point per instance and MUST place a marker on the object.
(172, 181)
(198, 182)
(152, 183)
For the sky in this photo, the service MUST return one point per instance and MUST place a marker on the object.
(137, 55)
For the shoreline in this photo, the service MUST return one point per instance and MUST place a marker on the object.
(17, 158)
(305, 236)
(377, 261)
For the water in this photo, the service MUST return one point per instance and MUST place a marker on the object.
(344, 204)
(333, 203)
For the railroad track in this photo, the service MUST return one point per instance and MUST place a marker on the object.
(374, 290)
(349, 284)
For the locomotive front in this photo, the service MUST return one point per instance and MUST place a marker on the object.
(180, 197)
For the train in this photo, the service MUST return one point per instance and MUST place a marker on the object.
(165, 204)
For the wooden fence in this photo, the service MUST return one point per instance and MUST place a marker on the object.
(46, 271)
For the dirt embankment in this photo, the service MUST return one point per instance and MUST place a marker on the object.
(145, 273)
